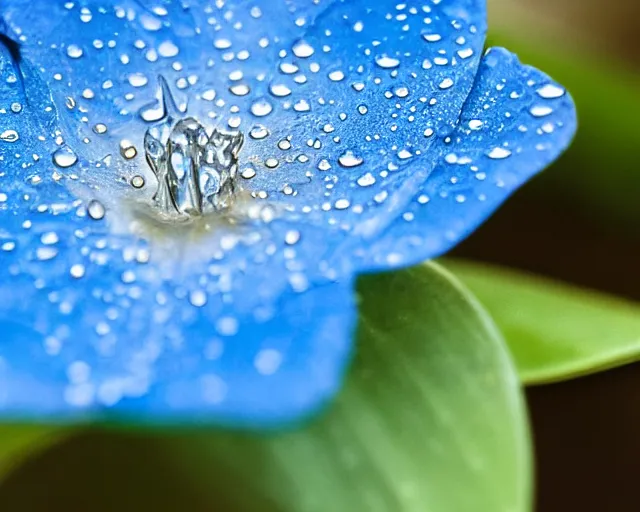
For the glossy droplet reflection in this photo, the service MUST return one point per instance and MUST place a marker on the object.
(196, 170)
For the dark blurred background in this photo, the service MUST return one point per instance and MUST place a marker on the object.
(578, 222)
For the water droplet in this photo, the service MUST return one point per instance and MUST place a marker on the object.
(137, 181)
(138, 80)
(195, 170)
(432, 38)
(271, 163)
(74, 51)
(499, 153)
(258, 132)
(64, 157)
(446, 83)
(401, 92)
(222, 44)
(366, 180)
(551, 91)
(240, 89)
(248, 173)
(324, 165)
(77, 270)
(96, 210)
(198, 298)
(127, 149)
(292, 237)
(49, 238)
(168, 49)
(280, 90)
(348, 159)
(302, 50)
(9, 136)
(540, 111)
(284, 144)
(386, 62)
(342, 204)
(302, 106)
(288, 68)
(100, 128)
(261, 108)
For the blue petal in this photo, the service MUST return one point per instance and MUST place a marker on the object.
(353, 118)
(221, 326)
(340, 99)
(90, 329)
(515, 122)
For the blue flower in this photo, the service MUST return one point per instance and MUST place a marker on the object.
(188, 189)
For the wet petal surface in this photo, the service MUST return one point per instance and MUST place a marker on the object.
(515, 122)
(140, 363)
(337, 100)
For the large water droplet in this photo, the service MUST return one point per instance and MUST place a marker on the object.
(261, 108)
(499, 153)
(64, 157)
(96, 210)
(302, 50)
(551, 91)
(386, 62)
(349, 159)
(9, 136)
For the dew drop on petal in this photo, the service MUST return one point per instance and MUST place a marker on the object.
(100, 128)
(446, 83)
(64, 157)
(96, 210)
(258, 132)
(74, 51)
(349, 159)
(127, 149)
(292, 237)
(240, 89)
(137, 181)
(261, 108)
(386, 62)
(499, 153)
(302, 50)
(77, 270)
(366, 180)
(9, 136)
(280, 90)
(551, 91)
(540, 111)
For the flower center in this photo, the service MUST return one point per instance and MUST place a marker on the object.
(196, 170)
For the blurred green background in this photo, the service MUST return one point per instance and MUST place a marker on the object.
(578, 222)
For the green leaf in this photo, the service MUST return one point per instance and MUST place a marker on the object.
(431, 418)
(20, 442)
(555, 331)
